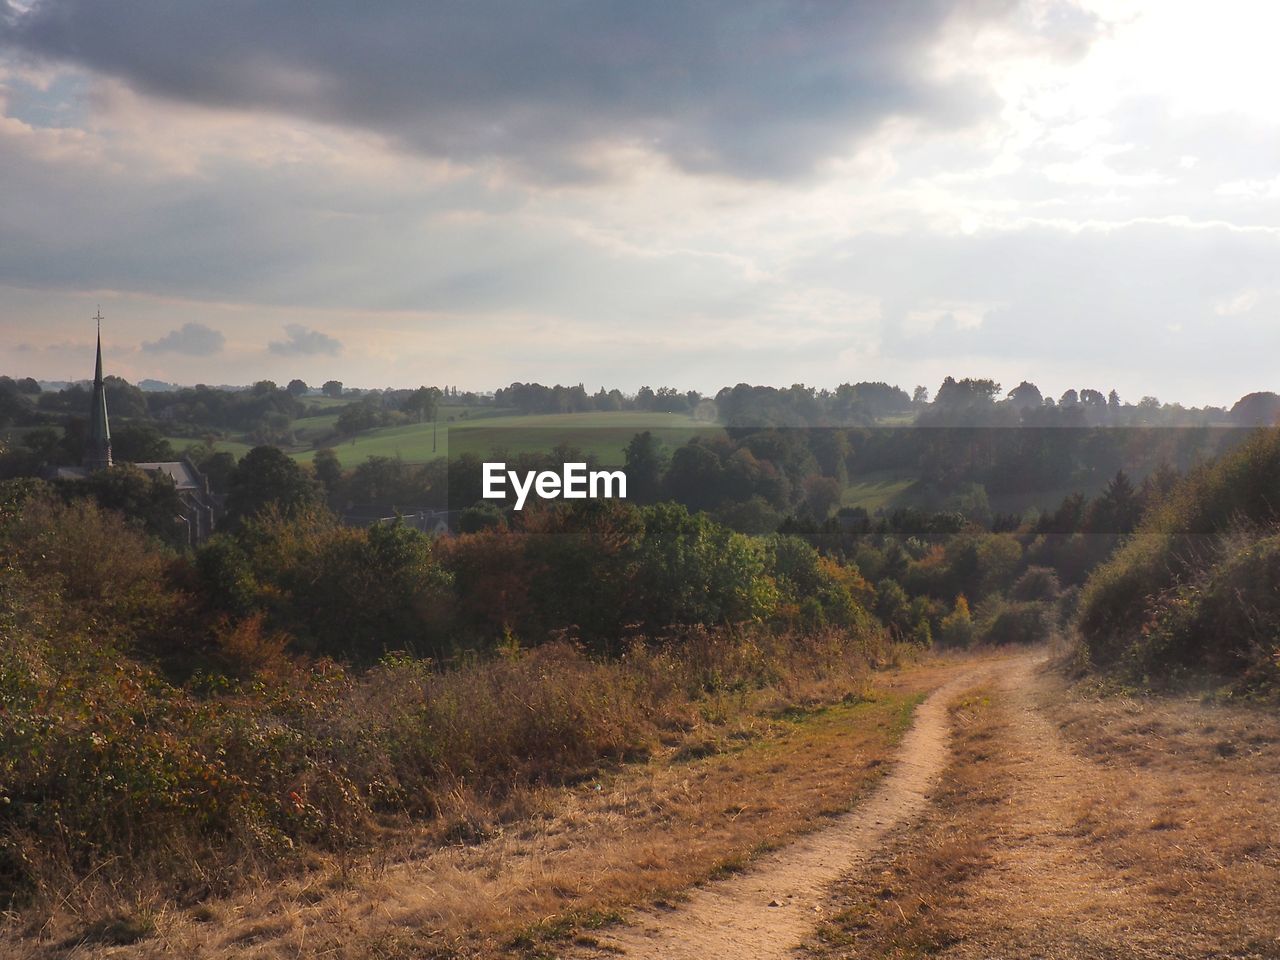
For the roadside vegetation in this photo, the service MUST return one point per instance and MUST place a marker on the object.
(175, 725)
(1197, 587)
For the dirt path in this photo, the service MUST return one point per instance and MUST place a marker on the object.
(766, 911)
(1055, 881)
(1078, 828)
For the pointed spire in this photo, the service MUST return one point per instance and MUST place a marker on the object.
(97, 447)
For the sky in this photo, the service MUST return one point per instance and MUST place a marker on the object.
(1082, 193)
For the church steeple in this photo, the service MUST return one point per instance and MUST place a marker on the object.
(97, 447)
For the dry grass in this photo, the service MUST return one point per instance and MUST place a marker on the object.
(548, 864)
(1147, 830)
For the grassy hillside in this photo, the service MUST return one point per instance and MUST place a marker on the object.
(878, 489)
(605, 435)
(1198, 585)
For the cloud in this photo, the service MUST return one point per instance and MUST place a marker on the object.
(192, 339)
(304, 342)
(753, 88)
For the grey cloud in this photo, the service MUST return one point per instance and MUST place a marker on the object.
(193, 339)
(305, 342)
(758, 88)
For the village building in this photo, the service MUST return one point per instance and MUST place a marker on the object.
(201, 507)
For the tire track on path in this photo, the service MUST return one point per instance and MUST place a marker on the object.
(765, 911)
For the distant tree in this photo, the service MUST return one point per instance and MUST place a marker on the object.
(920, 395)
(28, 386)
(328, 470)
(264, 387)
(422, 403)
(482, 516)
(43, 442)
(1117, 510)
(123, 398)
(140, 443)
(1069, 399)
(755, 516)
(695, 477)
(643, 467)
(332, 388)
(1113, 402)
(821, 494)
(1093, 398)
(1257, 409)
(364, 415)
(12, 406)
(267, 476)
(1026, 395)
(966, 393)
(219, 467)
(297, 388)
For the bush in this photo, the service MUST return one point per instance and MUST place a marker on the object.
(956, 629)
(1226, 619)
(1037, 583)
(1178, 593)
(1023, 623)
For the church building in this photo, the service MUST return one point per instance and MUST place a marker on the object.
(201, 507)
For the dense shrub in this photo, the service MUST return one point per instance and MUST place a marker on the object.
(1020, 622)
(956, 629)
(1225, 617)
(1189, 589)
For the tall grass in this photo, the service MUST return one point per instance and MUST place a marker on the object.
(119, 781)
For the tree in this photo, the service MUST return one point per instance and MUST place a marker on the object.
(219, 467)
(267, 476)
(148, 499)
(1069, 398)
(695, 477)
(1256, 409)
(643, 468)
(920, 396)
(422, 403)
(297, 388)
(1026, 395)
(332, 388)
(1118, 510)
(328, 470)
(966, 393)
(140, 443)
(821, 494)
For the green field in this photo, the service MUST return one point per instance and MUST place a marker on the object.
(876, 490)
(604, 435)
